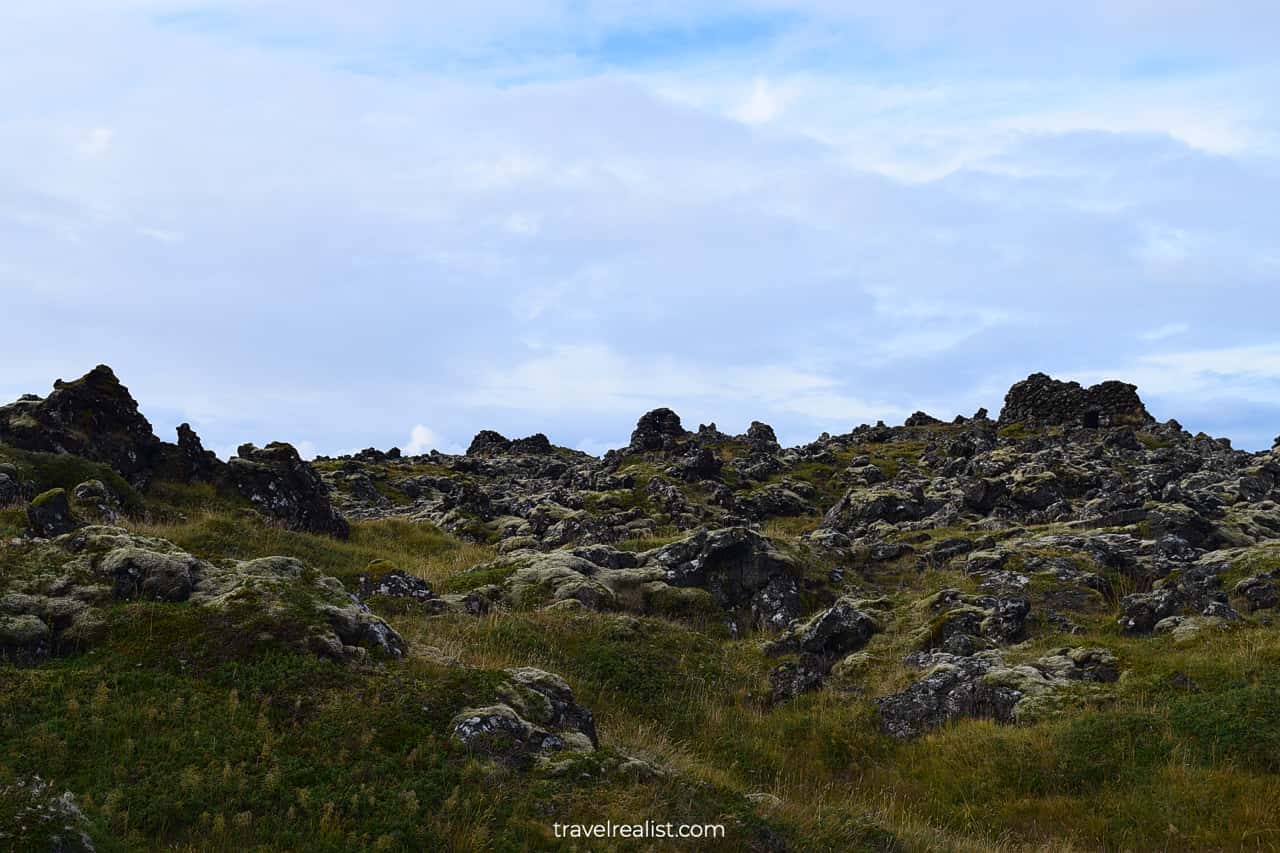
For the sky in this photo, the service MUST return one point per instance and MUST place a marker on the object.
(397, 223)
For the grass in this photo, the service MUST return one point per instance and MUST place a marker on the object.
(174, 738)
(419, 549)
(278, 751)
(1114, 768)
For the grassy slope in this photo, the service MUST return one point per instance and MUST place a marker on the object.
(170, 742)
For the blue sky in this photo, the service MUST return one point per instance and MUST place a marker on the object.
(390, 223)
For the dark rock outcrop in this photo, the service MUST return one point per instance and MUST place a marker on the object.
(761, 438)
(488, 441)
(921, 419)
(1259, 591)
(281, 486)
(1040, 401)
(657, 430)
(741, 568)
(819, 643)
(188, 461)
(982, 685)
(535, 445)
(94, 417)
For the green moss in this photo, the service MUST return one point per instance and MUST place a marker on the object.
(49, 496)
(40, 472)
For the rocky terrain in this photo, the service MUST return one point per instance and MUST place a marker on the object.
(1053, 629)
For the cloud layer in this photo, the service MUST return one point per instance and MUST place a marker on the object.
(397, 223)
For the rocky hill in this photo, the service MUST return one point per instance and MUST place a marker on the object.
(1049, 630)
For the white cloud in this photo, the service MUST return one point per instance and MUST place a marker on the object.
(761, 106)
(591, 378)
(422, 439)
(882, 236)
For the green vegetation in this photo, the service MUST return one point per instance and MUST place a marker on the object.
(178, 733)
(419, 549)
(40, 472)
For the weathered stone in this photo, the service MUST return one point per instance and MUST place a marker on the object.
(861, 507)
(49, 514)
(982, 685)
(1040, 401)
(94, 417)
(394, 584)
(761, 438)
(657, 430)
(822, 641)
(93, 500)
(190, 462)
(283, 487)
(740, 567)
(24, 639)
(1258, 591)
(536, 714)
(1140, 612)
(138, 572)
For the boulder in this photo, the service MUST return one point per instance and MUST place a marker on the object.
(93, 500)
(536, 445)
(534, 713)
(860, 507)
(761, 438)
(41, 817)
(921, 419)
(394, 584)
(742, 569)
(951, 687)
(820, 643)
(1140, 611)
(24, 638)
(656, 430)
(142, 573)
(699, 463)
(49, 514)
(283, 487)
(967, 623)
(1259, 591)
(982, 685)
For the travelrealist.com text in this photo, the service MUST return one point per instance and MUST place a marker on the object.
(647, 829)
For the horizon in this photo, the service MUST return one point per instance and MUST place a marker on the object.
(398, 226)
(418, 443)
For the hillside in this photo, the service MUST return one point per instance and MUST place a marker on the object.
(1050, 630)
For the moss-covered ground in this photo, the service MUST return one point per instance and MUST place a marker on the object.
(174, 739)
